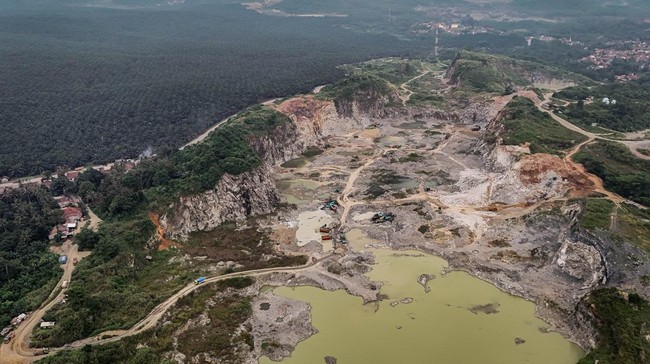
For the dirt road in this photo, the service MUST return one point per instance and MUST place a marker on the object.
(408, 91)
(568, 159)
(17, 350)
(632, 145)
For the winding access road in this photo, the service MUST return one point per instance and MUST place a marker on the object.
(17, 351)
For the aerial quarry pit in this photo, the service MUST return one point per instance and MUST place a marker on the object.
(429, 240)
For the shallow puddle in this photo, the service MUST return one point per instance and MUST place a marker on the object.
(295, 163)
(299, 191)
(308, 224)
(418, 124)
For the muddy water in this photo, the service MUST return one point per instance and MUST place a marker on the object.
(460, 320)
(299, 191)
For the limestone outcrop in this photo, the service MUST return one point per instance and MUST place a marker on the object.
(234, 198)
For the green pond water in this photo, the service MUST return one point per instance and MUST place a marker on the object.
(295, 163)
(406, 183)
(462, 320)
(299, 191)
(417, 124)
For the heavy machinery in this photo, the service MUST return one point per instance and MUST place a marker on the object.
(382, 217)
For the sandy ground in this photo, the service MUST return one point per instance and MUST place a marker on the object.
(308, 224)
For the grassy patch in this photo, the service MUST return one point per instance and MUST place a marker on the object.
(479, 72)
(633, 225)
(620, 170)
(524, 123)
(630, 224)
(347, 88)
(395, 71)
(597, 214)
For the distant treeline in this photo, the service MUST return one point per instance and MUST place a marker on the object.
(85, 85)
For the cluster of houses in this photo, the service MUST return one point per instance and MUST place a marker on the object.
(547, 39)
(72, 215)
(601, 58)
(451, 28)
(7, 184)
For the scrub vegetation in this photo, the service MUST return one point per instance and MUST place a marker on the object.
(624, 223)
(628, 113)
(157, 181)
(620, 170)
(524, 123)
(220, 303)
(621, 319)
(477, 72)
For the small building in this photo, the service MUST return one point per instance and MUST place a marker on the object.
(65, 201)
(6, 331)
(63, 259)
(72, 214)
(129, 165)
(71, 226)
(72, 175)
(47, 324)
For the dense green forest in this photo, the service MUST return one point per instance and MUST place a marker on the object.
(630, 112)
(91, 85)
(621, 319)
(28, 271)
(619, 169)
(95, 83)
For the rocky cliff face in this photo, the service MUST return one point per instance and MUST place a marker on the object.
(234, 198)
(369, 103)
(252, 193)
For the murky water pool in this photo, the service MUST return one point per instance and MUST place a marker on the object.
(460, 320)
